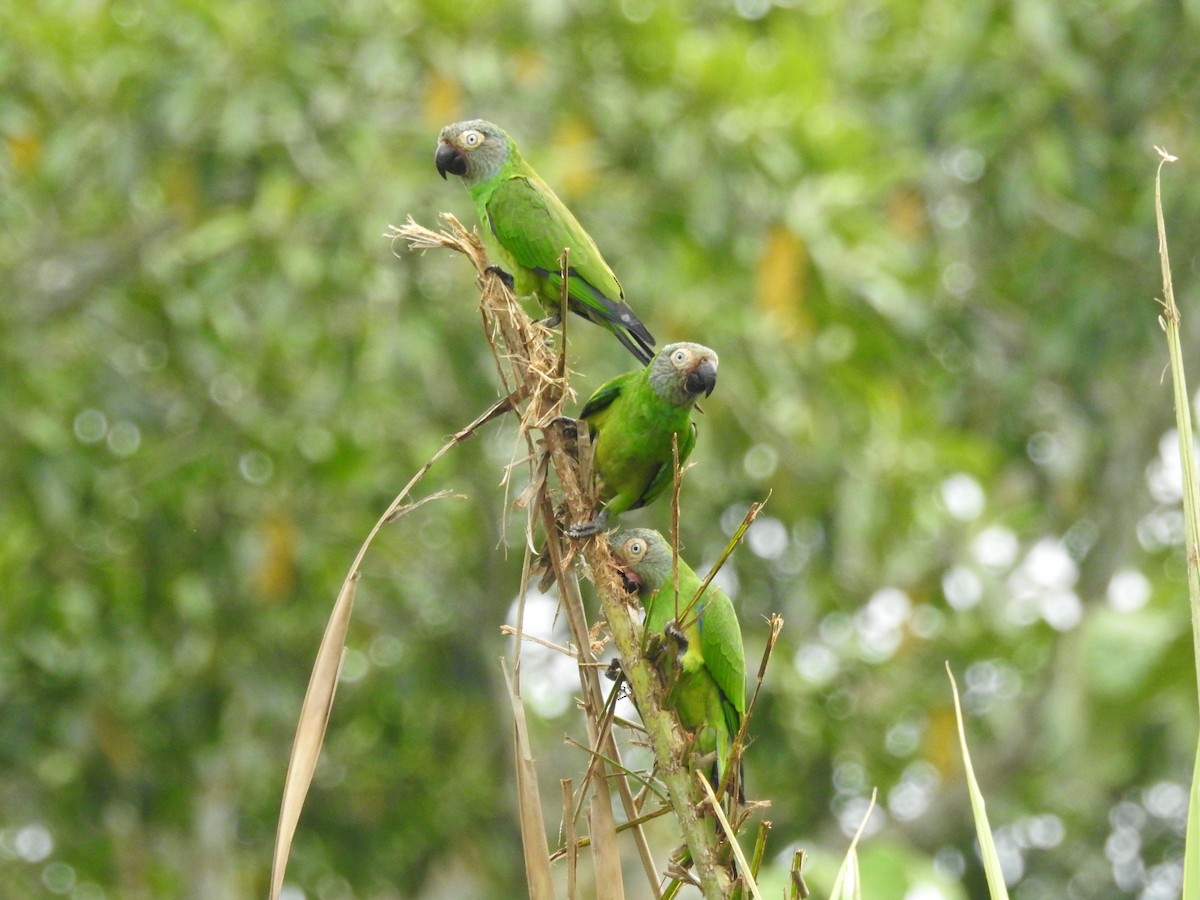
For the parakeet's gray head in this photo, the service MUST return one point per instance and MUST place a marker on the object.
(643, 557)
(680, 373)
(474, 149)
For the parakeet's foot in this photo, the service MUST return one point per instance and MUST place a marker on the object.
(551, 321)
(569, 426)
(587, 529)
(584, 529)
(614, 672)
(656, 645)
(503, 276)
(669, 664)
(675, 633)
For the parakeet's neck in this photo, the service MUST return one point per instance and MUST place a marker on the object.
(482, 183)
(655, 603)
(668, 386)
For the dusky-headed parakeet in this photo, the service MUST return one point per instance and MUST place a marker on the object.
(633, 419)
(709, 688)
(532, 227)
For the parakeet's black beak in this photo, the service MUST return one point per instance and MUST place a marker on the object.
(702, 378)
(629, 580)
(448, 159)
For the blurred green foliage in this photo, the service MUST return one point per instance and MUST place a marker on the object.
(921, 237)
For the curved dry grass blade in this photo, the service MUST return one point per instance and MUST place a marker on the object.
(310, 730)
(402, 511)
(318, 698)
(533, 826)
(983, 831)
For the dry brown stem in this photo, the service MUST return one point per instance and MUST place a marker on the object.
(536, 385)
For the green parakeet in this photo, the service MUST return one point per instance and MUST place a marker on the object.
(709, 693)
(633, 418)
(532, 226)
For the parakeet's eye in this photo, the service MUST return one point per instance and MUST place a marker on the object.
(679, 357)
(472, 138)
(635, 548)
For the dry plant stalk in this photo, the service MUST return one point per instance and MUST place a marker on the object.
(533, 827)
(322, 684)
(541, 379)
(1170, 322)
(530, 370)
(536, 385)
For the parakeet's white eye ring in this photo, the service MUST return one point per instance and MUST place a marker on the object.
(679, 357)
(472, 138)
(635, 548)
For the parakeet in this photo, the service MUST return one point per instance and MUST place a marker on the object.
(709, 694)
(633, 418)
(532, 226)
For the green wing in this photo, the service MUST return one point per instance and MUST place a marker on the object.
(721, 644)
(665, 475)
(532, 224)
(533, 227)
(602, 399)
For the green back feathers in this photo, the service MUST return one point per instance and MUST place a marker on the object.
(533, 226)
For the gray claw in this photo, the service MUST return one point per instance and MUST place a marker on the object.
(583, 529)
(500, 273)
(587, 529)
(569, 426)
(673, 631)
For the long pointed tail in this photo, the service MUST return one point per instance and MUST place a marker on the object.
(631, 341)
